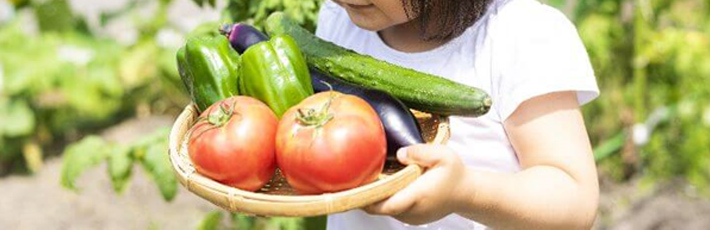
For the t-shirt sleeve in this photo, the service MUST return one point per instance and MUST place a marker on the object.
(542, 53)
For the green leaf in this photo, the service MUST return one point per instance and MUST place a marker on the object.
(80, 156)
(138, 66)
(315, 223)
(238, 10)
(211, 221)
(16, 118)
(200, 3)
(55, 15)
(108, 16)
(610, 146)
(157, 164)
(243, 222)
(557, 3)
(255, 12)
(120, 164)
(285, 223)
(159, 135)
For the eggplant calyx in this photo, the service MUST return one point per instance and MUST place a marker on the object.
(226, 29)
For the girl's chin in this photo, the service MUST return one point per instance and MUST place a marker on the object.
(367, 22)
(369, 27)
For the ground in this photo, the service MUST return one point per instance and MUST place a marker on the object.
(671, 205)
(39, 202)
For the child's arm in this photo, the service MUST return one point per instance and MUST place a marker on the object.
(557, 187)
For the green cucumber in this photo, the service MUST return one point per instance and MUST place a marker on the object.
(420, 91)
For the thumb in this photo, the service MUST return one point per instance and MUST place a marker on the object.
(423, 155)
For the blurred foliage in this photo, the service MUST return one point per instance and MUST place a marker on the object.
(82, 155)
(216, 220)
(57, 16)
(60, 80)
(211, 221)
(153, 156)
(255, 12)
(150, 152)
(649, 54)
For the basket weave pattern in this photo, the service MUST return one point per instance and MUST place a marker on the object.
(277, 198)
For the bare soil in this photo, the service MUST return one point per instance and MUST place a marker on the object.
(39, 201)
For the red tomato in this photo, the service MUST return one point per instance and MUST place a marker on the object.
(233, 143)
(330, 142)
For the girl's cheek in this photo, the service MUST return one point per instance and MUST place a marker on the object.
(384, 14)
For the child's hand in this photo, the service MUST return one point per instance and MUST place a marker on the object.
(431, 196)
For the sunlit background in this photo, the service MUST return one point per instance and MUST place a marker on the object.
(89, 89)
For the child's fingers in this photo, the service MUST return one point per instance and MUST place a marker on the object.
(396, 204)
(423, 155)
(402, 202)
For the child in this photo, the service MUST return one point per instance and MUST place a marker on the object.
(528, 163)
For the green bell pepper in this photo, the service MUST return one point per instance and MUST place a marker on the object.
(276, 73)
(209, 67)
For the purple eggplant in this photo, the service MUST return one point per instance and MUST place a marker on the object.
(242, 36)
(401, 127)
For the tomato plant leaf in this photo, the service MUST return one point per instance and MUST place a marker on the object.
(157, 164)
(243, 222)
(286, 223)
(137, 66)
(120, 164)
(211, 221)
(16, 118)
(80, 156)
(55, 15)
(200, 3)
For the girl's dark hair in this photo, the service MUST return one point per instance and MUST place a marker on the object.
(450, 18)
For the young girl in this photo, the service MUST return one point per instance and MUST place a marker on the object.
(527, 164)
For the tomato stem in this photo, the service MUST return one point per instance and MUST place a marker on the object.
(318, 118)
(330, 87)
(221, 116)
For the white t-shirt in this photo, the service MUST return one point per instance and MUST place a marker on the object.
(518, 50)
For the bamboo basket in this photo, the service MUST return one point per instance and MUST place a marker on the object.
(277, 198)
